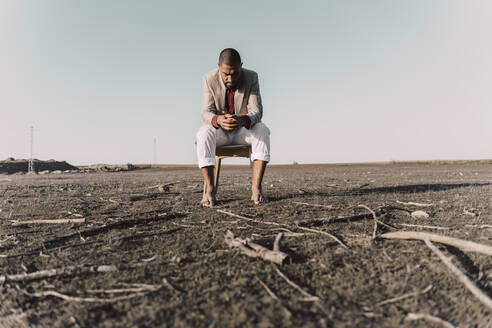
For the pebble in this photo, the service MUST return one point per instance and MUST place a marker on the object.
(420, 214)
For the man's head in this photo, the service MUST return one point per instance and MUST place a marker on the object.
(230, 67)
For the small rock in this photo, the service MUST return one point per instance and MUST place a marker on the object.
(420, 215)
(471, 211)
(163, 188)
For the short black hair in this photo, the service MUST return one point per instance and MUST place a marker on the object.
(230, 56)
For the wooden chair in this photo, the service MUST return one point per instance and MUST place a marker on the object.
(229, 151)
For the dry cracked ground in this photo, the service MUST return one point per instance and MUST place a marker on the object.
(141, 252)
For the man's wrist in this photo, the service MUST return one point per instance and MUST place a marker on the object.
(246, 121)
(215, 124)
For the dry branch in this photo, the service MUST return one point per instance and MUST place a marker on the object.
(55, 221)
(39, 251)
(293, 284)
(268, 290)
(250, 219)
(109, 226)
(414, 204)
(141, 288)
(315, 205)
(424, 226)
(459, 243)
(428, 317)
(251, 249)
(483, 226)
(93, 299)
(374, 216)
(461, 276)
(66, 271)
(276, 243)
(272, 295)
(407, 295)
(326, 234)
(321, 221)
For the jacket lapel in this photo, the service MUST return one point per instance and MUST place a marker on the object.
(238, 98)
(221, 91)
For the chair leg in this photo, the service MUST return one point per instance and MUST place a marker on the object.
(217, 173)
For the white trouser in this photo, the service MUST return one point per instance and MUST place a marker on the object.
(208, 137)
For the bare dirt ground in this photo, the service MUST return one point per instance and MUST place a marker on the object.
(175, 270)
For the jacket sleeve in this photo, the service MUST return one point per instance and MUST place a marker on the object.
(254, 106)
(208, 103)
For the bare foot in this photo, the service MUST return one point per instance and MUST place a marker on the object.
(208, 199)
(257, 196)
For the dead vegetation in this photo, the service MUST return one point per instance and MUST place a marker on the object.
(136, 249)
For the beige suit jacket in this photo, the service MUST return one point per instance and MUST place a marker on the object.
(247, 99)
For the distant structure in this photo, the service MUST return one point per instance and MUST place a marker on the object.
(30, 168)
(155, 152)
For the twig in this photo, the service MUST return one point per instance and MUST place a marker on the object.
(461, 276)
(324, 233)
(483, 226)
(459, 243)
(423, 226)
(149, 259)
(428, 317)
(66, 271)
(276, 243)
(107, 227)
(289, 233)
(251, 249)
(250, 219)
(38, 251)
(414, 204)
(321, 221)
(272, 295)
(315, 205)
(170, 286)
(90, 299)
(293, 284)
(375, 219)
(55, 221)
(399, 298)
(143, 288)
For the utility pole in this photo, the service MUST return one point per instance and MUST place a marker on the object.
(30, 168)
(155, 151)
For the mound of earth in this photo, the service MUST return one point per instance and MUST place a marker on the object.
(11, 166)
(112, 168)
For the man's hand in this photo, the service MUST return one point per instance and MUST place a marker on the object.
(231, 122)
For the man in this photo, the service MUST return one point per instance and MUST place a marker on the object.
(231, 113)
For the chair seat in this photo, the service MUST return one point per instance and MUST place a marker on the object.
(234, 151)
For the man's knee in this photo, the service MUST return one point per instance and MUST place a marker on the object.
(204, 133)
(261, 129)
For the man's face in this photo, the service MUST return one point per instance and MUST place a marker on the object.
(230, 75)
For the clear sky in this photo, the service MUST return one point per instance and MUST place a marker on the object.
(341, 81)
